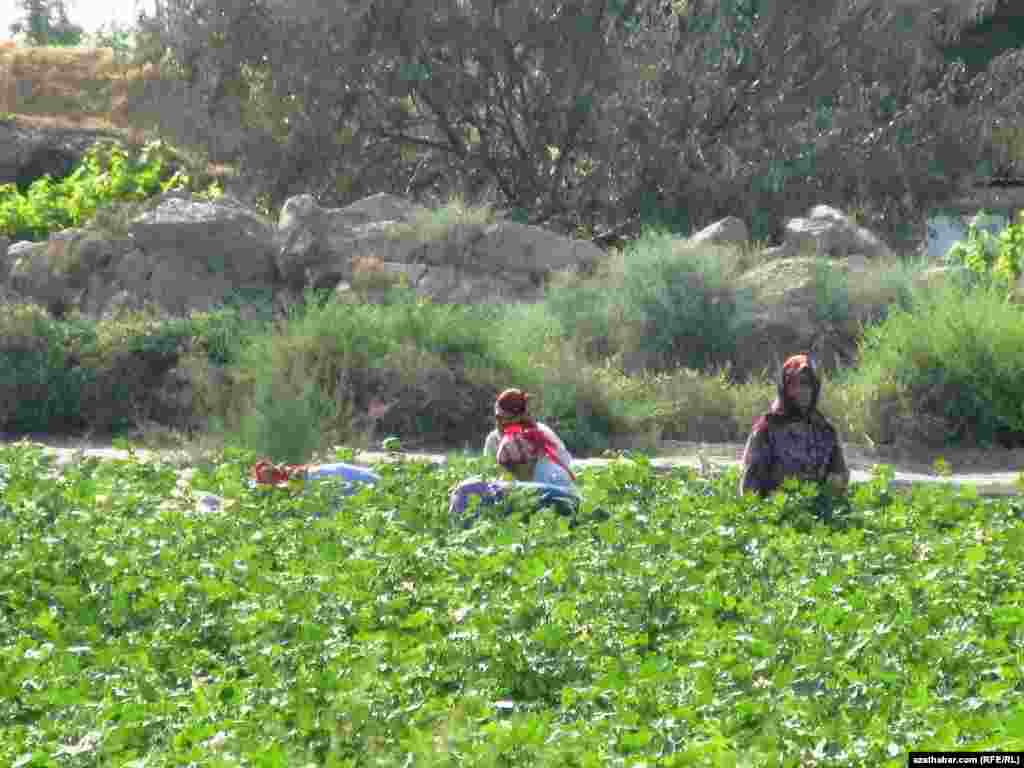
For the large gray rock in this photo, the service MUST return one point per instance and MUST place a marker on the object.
(59, 272)
(445, 284)
(510, 246)
(728, 231)
(223, 234)
(785, 317)
(318, 247)
(17, 248)
(461, 285)
(381, 207)
(828, 232)
(184, 254)
(192, 254)
(30, 276)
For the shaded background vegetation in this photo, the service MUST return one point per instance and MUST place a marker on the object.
(598, 115)
(625, 122)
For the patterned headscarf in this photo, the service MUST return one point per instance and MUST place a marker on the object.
(782, 408)
(267, 473)
(521, 440)
(514, 450)
(512, 404)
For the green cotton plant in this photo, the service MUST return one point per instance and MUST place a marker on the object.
(998, 258)
(669, 623)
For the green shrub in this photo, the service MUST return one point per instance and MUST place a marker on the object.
(106, 175)
(679, 304)
(958, 356)
(435, 224)
(584, 310)
(658, 303)
(38, 387)
(60, 375)
(117, 38)
(831, 292)
(883, 287)
(221, 333)
(287, 421)
(996, 258)
(345, 354)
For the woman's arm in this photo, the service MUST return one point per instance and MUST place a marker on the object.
(491, 444)
(757, 462)
(838, 474)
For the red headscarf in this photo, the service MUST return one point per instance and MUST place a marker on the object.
(522, 440)
(266, 473)
(791, 370)
(511, 404)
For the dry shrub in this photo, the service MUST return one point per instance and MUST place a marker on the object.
(882, 285)
(435, 224)
(419, 393)
(701, 408)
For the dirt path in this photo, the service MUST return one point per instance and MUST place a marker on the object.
(993, 473)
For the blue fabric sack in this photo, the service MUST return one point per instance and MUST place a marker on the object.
(352, 476)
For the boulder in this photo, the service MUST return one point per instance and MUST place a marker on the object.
(316, 245)
(461, 285)
(191, 254)
(30, 276)
(184, 254)
(319, 247)
(229, 238)
(728, 231)
(445, 284)
(19, 247)
(381, 207)
(784, 318)
(828, 232)
(507, 246)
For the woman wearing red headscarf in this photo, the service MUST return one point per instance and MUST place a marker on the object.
(511, 416)
(793, 439)
(529, 451)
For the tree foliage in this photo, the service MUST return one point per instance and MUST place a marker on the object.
(598, 114)
(46, 22)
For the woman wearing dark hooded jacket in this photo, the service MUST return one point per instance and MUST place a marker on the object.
(793, 439)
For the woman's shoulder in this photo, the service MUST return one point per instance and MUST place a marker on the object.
(555, 436)
(491, 442)
(818, 420)
(548, 430)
